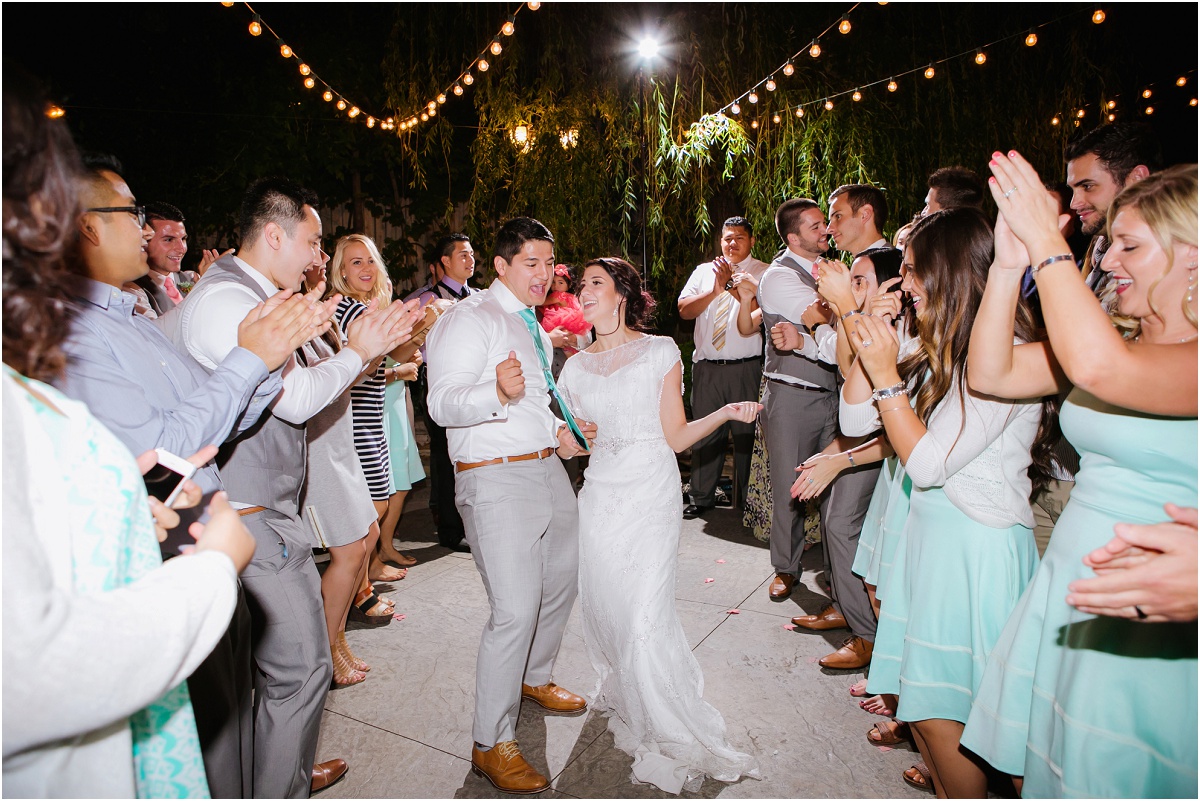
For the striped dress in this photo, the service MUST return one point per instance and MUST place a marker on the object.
(366, 408)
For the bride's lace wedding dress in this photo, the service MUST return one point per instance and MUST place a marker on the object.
(630, 510)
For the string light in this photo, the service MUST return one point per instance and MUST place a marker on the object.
(305, 69)
(468, 79)
(814, 50)
(341, 104)
(1031, 39)
(980, 57)
(495, 48)
(226, 3)
(327, 96)
(829, 105)
(534, 5)
(799, 112)
(1181, 81)
(844, 25)
(735, 109)
(775, 118)
(1098, 17)
(753, 98)
(508, 28)
(370, 122)
(1149, 109)
(788, 68)
(424, 117)
(285, 51)
(754, 124)
(1079, 113)
(433, 111)
(1146, 93)
(1112, 104)
(458, 90)
(1112, 117)
(857, 96)
(309, 83)
(892, 85)
(929, 72)
(771, 84)
(1054, 121)
(483, 65)
(255, 27)
(441, 98)
(54, 112)
(1192, 102)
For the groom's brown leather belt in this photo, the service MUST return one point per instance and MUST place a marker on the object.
(524, 457)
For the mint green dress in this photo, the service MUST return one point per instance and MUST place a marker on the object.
(1087, 706)
(404, 462)
(883, 525)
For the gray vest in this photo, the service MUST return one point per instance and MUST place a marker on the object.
(786, 362)
(265, 465)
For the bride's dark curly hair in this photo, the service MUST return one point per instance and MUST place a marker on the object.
(40, 208)
(639, 305)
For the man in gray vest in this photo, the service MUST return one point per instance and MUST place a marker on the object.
(800, 401)
(263, 471)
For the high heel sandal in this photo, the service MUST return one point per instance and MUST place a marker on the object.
(354, 661)
(344, 674)
(370, 608)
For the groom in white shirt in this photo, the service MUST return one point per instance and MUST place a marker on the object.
(490, 386)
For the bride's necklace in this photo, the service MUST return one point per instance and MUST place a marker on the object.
(1138, 338)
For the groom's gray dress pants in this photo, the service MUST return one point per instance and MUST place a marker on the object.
(522, 523)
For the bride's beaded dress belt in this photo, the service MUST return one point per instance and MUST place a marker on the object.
(524, 457)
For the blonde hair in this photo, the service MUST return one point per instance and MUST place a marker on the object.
(339, 285)
(1166, 201)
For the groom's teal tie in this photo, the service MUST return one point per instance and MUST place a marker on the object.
(535, 331)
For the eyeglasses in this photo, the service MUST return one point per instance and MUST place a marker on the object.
(137, 211)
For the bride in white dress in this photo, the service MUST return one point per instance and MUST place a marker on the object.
(630, 508)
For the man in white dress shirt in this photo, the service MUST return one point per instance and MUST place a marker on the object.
(487, 386)
(857, 215)
(726, 366)
(800, 401)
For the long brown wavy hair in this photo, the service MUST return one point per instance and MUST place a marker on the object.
(40, 209)
(951, 253)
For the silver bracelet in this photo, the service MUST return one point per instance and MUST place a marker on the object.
(893, 391)
(850, 456)
(850, 313)
(1033, 271)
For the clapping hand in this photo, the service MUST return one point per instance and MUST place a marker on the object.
(510, 381)
(785, 336)
(380, 330)
(745, 287)
(722, 272)
(276, 327)
(1028, 208)
(877, 346)
(884, 304)
(207, 257)
(833, 283)
(744, 412)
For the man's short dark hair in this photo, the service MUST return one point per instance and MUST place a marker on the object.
(739, 222)
(957, 186)
(1119, 146)
(787, 216)
(97, 162)
(859, 195)
(157, 210)
(445, 247)
(276, 200)
(513, 235)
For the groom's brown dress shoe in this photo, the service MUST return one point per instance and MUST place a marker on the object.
(326, 773)
(854, 654)
(554, 698)
(781, 587)
(507, 770)
(829, 618)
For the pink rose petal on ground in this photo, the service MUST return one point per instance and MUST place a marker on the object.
(733, 611)
(790, 626)
(812, 659)
(709, 580)
(397, 617)
(884, 748)
(720, 561)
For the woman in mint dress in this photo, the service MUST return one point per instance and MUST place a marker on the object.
(1081, 705)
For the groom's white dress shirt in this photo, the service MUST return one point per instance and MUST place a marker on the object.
(465, 346)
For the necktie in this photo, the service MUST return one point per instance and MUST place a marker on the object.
(724, 304)
(172, 290)
(535, 331)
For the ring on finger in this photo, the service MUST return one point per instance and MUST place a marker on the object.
(867, 343)
(1009, 192)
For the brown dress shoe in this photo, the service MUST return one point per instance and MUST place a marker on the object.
(828, 618)
(855, 653)
(507, 770)
(556, 699)
(781, 587)
(326, 773)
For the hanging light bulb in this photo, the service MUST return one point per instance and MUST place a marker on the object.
(735, 109)
(255, 26)
(1181, 81)
(309, 83)
(1192, 102)
(1098, 17)
(775, 119)
(534, 5)
(495, 48)
(327, 96)
(788, 68)
(370, 122)
(353, 112)
(1149, 109)
(754, 123)
(857, 96)
(1055, 121)
(1112, 117)
(771, 84)
(980, 57)
(433, 111)
(753, 98)
(1031, 39)
(829, 105)
(483, 65)
(468, 79)
(284, 50)
(431, 105)
(1146, 93)
(929, 72)
(305, 69)
(508, 28)
(799, 112)
(457, 89)
(892, 85)
(815, 50)
(341, 104)
(844, 25)
(54, 112)
(227, 3)
(441, 98)
(424, 117)
(1112, 104)
(1080, 113)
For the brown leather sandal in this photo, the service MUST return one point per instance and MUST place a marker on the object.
(922, 779)
(890, 733)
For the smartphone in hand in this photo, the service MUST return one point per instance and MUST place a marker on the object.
(165, 480)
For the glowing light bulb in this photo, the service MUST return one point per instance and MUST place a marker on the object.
(1146, 93)
(424, 117)
(1080, 113)
(54, 112)
(788, 68)
(370, 122)
(226, 3)
(775, 119)
(1098, 17)
(754, 123)
(354, 112)
(1192, 102)
(441, 98)
(799, 112)
(1031, 39)
(468, 79)
(1055, 121)
(1181, 81)
(815, 50)
(341, 104)
(1112, 117)
(844, 25)
(255, 27)
(1149, 109)
(305, 69)
(735, 109)
(495, 48)
(980, 57)
(285, 51)
(1112, 104)
(929, 72)
(457, 89)
(534, 5)
(521, 134)
(508, 28)
(433, 112)
(892, 85)
(857, 96)
(753, 98)
(483, 65)
(770, 84)
(829, 105)
(309, 83)
(328, 96)
(431, 105)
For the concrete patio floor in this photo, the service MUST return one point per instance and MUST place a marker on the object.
(406, 730)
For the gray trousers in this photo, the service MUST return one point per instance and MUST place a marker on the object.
(1047, 506)
(522, 523)
(291, 655)
(841, 522)
(713, 386)
(796, 424)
